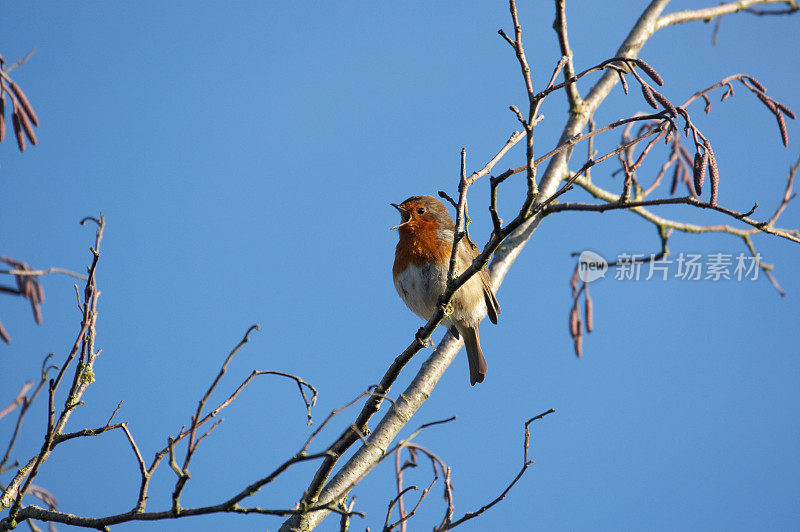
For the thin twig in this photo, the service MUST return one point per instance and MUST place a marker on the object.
(526, 463)
(37, 273)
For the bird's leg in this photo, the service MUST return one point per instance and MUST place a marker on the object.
(423, 343)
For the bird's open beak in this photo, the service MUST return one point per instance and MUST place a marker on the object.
(403, 212)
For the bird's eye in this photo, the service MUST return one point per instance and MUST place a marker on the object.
(421, 210)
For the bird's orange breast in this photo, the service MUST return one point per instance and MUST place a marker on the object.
(419, 243)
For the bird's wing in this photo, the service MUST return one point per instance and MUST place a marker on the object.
(492, 306)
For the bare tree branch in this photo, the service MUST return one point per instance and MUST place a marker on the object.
(19, 399)
(327, 493)
(526, 463)
(711, 13)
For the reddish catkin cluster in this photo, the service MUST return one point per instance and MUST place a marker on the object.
(704, 162)
(704, 155)
(575, 323)
(631, 62)
(23, 117)
(691, 170)
(776, 107)
(27, 287)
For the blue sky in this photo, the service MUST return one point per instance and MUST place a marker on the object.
(245, 155)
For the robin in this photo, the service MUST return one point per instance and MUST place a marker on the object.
(421, 264)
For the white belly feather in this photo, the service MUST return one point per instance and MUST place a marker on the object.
(420, 288)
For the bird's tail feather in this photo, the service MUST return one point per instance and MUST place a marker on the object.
(477, 364)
